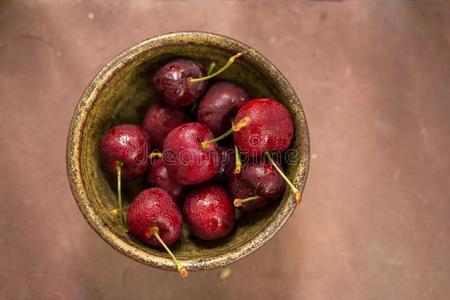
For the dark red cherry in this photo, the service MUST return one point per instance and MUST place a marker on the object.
(172, 81)
(264, 178)
(270, 127)
(155, 219)
(219, 105)
(227, 163)
(244, 194)
(208, 212)
(159, 176)
(186, 159)
(154, 207)
(128, 144)
(260, 179)
(160, 120)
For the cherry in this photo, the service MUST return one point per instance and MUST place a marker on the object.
(160, 120)
(220, 104)
(123, 151)
(191, 154)
(244, 195)
(171, 80)
(127, 144)
(298, 195)
(155, 219)
(270, 128)
(183, 81)
(154, 207)
(209, 212)
(186, 158)
(258, 185)
(227, 163)
(159, 177)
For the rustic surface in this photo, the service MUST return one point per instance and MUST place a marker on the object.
(374, 80)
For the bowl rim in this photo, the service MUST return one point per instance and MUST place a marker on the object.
(75, 137)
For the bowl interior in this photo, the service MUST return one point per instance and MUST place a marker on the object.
(123, 92)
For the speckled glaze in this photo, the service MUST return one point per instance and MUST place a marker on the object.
(121, 93)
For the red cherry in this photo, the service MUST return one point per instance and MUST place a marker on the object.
(270, 127)
(186, 159)
(154, 207)
(159, 177)
(208, 212)
(219, 106)
(172, 81)
(127, 144)
(183, 81)
(155, 219)
(257, 186)
(264, 179)
(160, 120)
(244, 196)
(227, 163)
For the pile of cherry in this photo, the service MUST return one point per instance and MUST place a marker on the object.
(192, 177)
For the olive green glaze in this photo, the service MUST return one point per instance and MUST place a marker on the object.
(122, 92)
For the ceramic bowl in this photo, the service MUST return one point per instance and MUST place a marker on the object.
(122, 92)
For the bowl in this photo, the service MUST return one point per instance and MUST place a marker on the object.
(122, 92)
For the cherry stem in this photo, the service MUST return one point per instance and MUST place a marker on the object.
(238, 164)
(298, 195)
(211, 68)
(229, 63)
(238, 201)
(182, 270)
(234, 128)
(155, 154)
(119, 165)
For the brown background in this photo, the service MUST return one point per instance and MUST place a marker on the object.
(374, 80)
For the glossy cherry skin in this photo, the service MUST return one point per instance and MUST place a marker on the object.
(185, 158)
(209, 212)
(160, 120)
(270, 128)
(219, 106)
(227, 163)
(257, 178)
(154, 207)
(158, 176)
(128, 144)
(240, 188)
(171, 81)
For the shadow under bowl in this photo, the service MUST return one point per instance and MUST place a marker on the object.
(122, 93)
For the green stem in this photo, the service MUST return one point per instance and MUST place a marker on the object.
(229, 63)
(119, 165)
(182, 270)
(238, 202)
(155, 154)
(298, 195)
(211, 68)
(238, 164)
(234, 128)
(220, 137)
